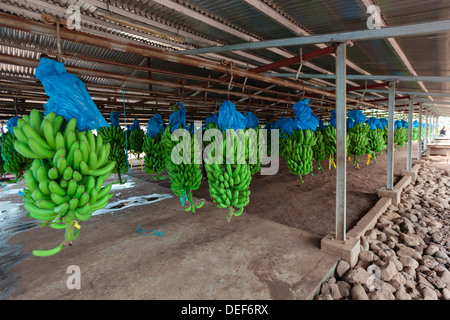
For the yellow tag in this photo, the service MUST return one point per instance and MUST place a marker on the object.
(349, 159)
(368, 159)
(357, 165)
(329, 163)
(334, 164)
(141, 164)
(76, 225)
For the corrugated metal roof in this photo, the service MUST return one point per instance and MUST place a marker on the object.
(428, 55)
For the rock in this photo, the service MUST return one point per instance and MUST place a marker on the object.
(429, 262)
(397, 262)
(324, 296)
(344, 288)
(357, 292)
(341, 268)
(408, 240)
(381, 295)
(407, 227)
(436, 236)
(366, 256)
(427, 293)
(356, 275)
(445, 294)
(408, 262)
(397, 281)
(442, 255)
(392, 208)
(414, 293)
(445, 276)
(388, 271)
(402, 295)
(437, 282)
(390, 232)
(334, 291)
(391, 215)
(408, 252)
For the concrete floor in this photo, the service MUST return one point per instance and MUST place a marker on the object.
(201, 256)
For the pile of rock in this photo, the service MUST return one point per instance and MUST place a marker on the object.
(406, 255)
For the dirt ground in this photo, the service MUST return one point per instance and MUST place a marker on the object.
(272, 251)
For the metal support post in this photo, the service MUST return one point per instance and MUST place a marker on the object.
(341, 142)
(410, 127)
(419, 146)
(390, 146)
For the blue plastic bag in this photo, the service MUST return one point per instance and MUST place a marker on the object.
(384, 122)
(133, 126)
(415, 124)
(305, 118)
(350, 123)
(178, 118)
(11, 123)
(357, 116)
(404, 123)
(155, 125)
(212, 119)
(397, 124)
(68, 96)
(270, 125)
(252, 120)
(114, 117)
(230, 118)
(321, 125)
(332, 121)
(374, 123)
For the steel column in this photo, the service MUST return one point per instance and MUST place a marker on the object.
(425, 140)
(390, 146)
(341, 142)
(419, 146)
(410, 127)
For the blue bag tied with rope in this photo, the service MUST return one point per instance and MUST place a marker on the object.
(178, 118)
(252, 120)
(384, 122)
(286, 125)
(134, 125)
(374, 123)
(68, 96)
(11, 123)
(114, 117)
(357, 116)
(333, 118)
(321, 125)
(305, 118)
(212, 119)
(230, 118)
(155, 125)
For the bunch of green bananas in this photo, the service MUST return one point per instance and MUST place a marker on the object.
(319, 148)
(137, 138)
(358, 141)
(298, 152)
(116, 137)
(113, 134)
(259, 145)
(66, 177)
(186, 176)
(13, 162)
(376, 143)
(329, 140)
(155, 157)
(415, 134)
(229, 182)
(400, 137)
(2, 162)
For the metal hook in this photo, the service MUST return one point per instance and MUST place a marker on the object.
(301, 63)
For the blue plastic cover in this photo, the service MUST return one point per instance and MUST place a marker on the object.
(374, 123)
(230, 118)
(415, 124)
(68, 96)
(305, 118)
(212, 119)
(133, 126)
(178, 118)
(333, 118)
(155, 125)
(114, 117)
(397, 124)
(404, 123)
(191, 128)
(252, 120)
(321, 125)
(357, 116)
(11, 123)
(270, 125)
(350, 123)
(384, 122)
